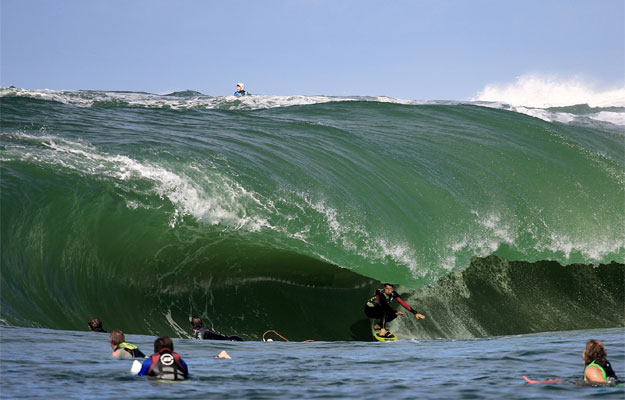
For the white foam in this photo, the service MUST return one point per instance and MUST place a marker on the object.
(546, 115)
(615, 118)
(593, 250)
(174, 325)
(199, 101)
(486, 237)
(539, 91)
(91, 98)
(354, 238)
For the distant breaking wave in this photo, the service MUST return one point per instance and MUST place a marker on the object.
(553, 99)
(543, 92)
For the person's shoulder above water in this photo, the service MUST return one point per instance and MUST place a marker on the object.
(597, 367)
(121, 348)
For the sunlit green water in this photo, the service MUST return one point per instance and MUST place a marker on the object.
(265, 212)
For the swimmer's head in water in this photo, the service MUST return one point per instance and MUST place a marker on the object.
(95, 324)
(117, 337)
(595, 350)
(164, 342)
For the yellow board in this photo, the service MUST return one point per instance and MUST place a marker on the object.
(376, 334)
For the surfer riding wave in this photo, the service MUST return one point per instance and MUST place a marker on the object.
(379, 307)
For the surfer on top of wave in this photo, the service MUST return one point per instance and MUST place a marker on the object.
(379, 306)
(241, 90)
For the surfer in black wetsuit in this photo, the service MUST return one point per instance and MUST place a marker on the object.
(379, 306)
(95, 325)
(598, 368)
(202, 332)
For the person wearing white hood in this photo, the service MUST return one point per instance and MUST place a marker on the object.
(240, 90)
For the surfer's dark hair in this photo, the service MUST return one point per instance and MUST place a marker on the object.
(196, 323)
(117, 337)
(595, 350)
(164, 342)
(95, 323)
(388, 284)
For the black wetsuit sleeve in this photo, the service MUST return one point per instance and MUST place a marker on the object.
(208, 334)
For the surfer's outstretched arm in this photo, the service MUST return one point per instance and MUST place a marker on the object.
(407, 307)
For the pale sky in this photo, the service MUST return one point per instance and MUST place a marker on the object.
(435, 50)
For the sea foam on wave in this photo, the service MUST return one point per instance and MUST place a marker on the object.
(534, 95)
(213, 199)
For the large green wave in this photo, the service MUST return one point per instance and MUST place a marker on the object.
(285, 217)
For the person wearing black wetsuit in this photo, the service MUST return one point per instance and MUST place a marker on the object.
(379, 307)
(202, 332)
(95, 325)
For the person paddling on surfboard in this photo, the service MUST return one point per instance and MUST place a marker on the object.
(597, 369)
(241, 90)
(379, 307)
(202, 332)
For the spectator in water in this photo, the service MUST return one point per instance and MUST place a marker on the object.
(122, 349)
(597, 368)
(165, 363)
(95, 325)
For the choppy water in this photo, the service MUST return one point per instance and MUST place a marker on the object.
(43, 363)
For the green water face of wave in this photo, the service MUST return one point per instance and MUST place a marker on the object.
(184, 207)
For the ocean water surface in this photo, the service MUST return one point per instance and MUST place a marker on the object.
(44, 363)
